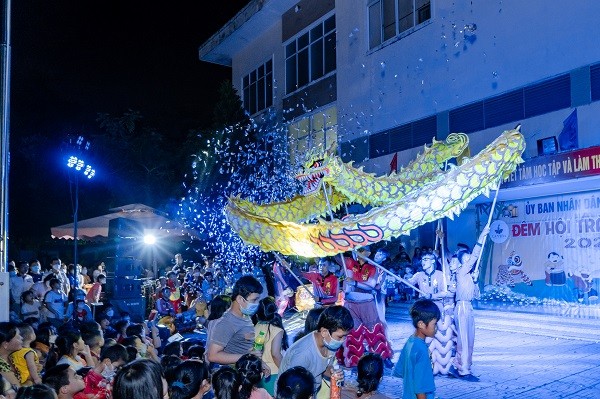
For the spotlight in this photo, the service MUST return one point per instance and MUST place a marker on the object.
(149, 239)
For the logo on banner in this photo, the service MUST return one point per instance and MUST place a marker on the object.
(499, 231)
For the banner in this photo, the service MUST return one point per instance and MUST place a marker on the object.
(549, 248)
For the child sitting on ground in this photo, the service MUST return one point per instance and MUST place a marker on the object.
(414, 365)
(26, 360)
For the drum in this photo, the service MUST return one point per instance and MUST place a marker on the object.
(304, 300)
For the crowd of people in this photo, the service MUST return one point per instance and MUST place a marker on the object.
(65, 339)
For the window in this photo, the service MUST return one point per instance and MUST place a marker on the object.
(257, 87)
(390, 18)
(310, 55)
(316, 130)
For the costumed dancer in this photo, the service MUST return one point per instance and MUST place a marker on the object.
(325, 283)
(467, 274)
(361, 285)
(284, 292)
(431, 282)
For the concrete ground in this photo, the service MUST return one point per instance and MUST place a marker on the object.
(516, 355)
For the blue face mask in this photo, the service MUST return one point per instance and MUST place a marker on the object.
(250, 309)
(334, 344)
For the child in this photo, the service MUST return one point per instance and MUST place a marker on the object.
(226, 383)
(414, 365)
(250, 369)
(65, 382)
(276, 340)
(26, 360)
(296, 383)
(93, 295)
(30, 305)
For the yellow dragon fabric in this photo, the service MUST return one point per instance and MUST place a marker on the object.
(420, 193)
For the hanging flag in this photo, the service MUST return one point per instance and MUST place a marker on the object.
(569, 138)
(394, 164)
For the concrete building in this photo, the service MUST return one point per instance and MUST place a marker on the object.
(383, 77)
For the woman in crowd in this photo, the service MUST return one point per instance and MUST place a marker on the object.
(69, 345)
(276, 341)
(10, 341)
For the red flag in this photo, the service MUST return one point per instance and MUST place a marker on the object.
(394, 163)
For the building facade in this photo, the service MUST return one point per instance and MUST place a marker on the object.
(384, 77)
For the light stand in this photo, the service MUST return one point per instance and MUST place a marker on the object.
(78, 166)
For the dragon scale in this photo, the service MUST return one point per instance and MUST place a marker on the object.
(427, 202)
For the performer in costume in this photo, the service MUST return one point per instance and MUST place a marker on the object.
(466, 290)
(431, 282)
(325, 283)
(360, 286)
(284, 293)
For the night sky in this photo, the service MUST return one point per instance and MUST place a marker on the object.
(74, 59)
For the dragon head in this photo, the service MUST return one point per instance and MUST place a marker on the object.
(318, 166)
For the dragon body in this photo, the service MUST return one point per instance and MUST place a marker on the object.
(351, 185)
(418, 194)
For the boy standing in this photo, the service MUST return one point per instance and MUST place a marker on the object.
(414, 365)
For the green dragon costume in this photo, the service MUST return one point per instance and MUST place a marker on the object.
(420, 193)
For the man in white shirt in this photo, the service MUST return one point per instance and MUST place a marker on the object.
(18, 284)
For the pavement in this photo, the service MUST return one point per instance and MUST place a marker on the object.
(529, 355)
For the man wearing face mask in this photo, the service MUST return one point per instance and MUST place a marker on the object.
(316, 351)
(325, 283)
(232, 335)
(35, 271)
(57, 273)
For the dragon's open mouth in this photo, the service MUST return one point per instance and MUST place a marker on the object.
(311, 181)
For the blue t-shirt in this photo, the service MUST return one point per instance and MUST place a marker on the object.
(414, 367)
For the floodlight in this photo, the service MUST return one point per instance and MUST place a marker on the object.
(149, 239)
(72, 161)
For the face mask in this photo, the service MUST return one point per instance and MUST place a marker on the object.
(55, 266)
(35, 269)
(334, 344)
(250, 309)
(110, 313)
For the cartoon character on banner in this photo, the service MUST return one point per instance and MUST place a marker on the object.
(512, 272)
(583, 282)
(555, 270)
